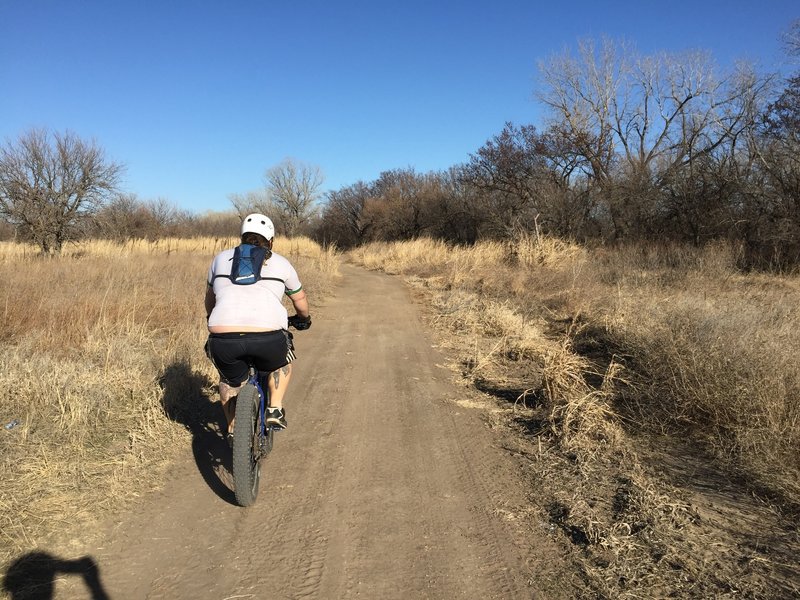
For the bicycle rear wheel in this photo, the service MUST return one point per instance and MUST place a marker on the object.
(246, 451)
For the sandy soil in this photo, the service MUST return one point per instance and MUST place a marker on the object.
(384, 485)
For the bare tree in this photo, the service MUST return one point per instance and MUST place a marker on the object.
(343, 218)
(637, 120)
(293, 189)
(581, 93)
(50, 184)
(250, 202)
(525, 175)
(167, 215)
(772, 215)
(127, 217)
(791, 39)
(121, 218)
(454, 208)
(216, 224)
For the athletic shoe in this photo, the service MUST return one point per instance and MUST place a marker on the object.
(277, 418)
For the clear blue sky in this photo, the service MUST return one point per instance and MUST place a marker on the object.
(198, 98)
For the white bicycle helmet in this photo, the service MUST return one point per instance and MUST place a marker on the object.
(260, 224)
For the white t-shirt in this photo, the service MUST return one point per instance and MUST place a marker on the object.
(257, 305)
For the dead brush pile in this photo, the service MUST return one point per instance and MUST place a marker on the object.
(588, 361)
(99, 350)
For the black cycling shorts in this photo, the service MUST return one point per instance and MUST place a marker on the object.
(233, 353)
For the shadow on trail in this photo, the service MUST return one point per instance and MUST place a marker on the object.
(185, 402)
(33, 576)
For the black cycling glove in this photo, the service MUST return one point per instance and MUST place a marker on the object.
(300, 323)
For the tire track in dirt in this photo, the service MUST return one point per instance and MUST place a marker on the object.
(380, 488)
(289, 573)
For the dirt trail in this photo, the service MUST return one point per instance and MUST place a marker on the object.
(382, 487)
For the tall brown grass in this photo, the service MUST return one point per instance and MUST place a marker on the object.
(89, 344)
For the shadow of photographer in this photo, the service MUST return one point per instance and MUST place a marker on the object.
(33, 576)
(184, 402)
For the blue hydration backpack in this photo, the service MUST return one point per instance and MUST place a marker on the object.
(247, 263)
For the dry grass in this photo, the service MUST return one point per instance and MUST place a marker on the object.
(715, 355)
(97, 347)
(594, 354)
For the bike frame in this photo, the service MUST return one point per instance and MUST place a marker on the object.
(259, 380)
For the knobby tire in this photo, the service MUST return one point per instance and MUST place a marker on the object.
(246, 470)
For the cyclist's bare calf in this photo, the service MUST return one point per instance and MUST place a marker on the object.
(278, 382)
(226, 394)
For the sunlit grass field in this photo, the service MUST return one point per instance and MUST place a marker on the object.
(97, 348)
(604, 353)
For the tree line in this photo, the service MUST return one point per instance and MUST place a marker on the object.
(57, 188)
(635, 147)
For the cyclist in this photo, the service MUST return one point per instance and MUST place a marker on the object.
(249, 322)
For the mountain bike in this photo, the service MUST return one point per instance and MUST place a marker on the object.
(252, 436)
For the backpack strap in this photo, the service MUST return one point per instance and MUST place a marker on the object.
(262, 279)
(246, 265)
